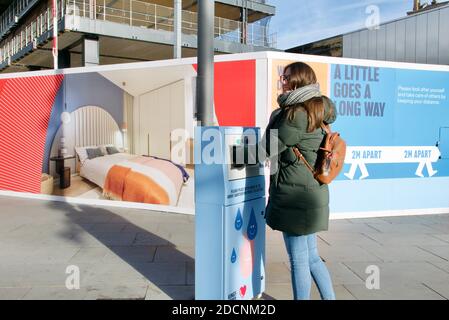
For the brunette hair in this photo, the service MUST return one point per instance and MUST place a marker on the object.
(302, 75)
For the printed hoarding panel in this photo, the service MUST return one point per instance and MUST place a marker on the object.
(277, 69)
(395, 122)
(25, 108)
(119, 134)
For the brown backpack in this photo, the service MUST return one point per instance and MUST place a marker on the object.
(331, 157)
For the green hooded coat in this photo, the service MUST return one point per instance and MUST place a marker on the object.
(298, 204)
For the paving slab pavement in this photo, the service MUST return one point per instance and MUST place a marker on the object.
(135, 254)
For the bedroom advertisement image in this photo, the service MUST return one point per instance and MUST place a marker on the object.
(124, 134)
(395, 122)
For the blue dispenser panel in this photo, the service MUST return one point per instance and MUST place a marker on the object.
(217, 179)
(238, 191)
(244, 250)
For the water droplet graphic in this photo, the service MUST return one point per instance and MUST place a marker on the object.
(233, 256)
(252, 226)
(238, 221)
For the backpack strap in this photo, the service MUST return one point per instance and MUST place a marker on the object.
(301, 157)
(326, 128)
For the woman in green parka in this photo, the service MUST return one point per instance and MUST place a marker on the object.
(298, 204)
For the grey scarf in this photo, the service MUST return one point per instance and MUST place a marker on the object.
(299, 95)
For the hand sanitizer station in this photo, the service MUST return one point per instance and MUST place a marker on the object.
(230, 210)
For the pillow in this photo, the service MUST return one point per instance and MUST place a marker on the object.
(112, 150)
(93, 153)
(103, 148)
(82, 153)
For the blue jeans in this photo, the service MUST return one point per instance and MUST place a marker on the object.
(306, 263)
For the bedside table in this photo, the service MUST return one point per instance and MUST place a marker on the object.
(64, 172)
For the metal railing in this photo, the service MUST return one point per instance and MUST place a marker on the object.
(152, 16)
(133, 13)
(29, 32)
(15, 9)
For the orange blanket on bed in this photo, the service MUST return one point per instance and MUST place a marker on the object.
(126, 185)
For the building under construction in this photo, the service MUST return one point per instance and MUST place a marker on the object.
(94, 32)
(419, 37)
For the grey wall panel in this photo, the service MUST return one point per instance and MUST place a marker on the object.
(400, 41)
(421, 38)
(347, 48)
(372, 44)
(364, 44)
(443, 41)
(355, 42)
(381, 43)
(432, 36)
(410, 39)
(390, 42)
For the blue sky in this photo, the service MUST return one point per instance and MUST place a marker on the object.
(302, 21)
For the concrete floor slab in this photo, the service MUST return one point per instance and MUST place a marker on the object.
(394, 239)
(397, 273)
(118, 292)
(394, 292)
(442, 288)
(137, 254)
(15, 293)
(345, 238)
(277, 273)
(402, 253)
(444, 237)
(171, 293)
(439, 251)
(345, 253)
(408, 228)
(56, 293)
(172, 254)
(344, 226)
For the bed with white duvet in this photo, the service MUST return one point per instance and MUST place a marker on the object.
(134, 178)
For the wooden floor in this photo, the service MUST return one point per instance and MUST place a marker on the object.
(78, 186)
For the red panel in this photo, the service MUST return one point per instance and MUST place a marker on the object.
(25, 108)
(235, 93)
(2, 85)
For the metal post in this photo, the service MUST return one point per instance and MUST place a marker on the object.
(205, 80)
(55, 34)
(177, 54)
(244, 23)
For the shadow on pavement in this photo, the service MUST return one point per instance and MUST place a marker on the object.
(131, 248)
